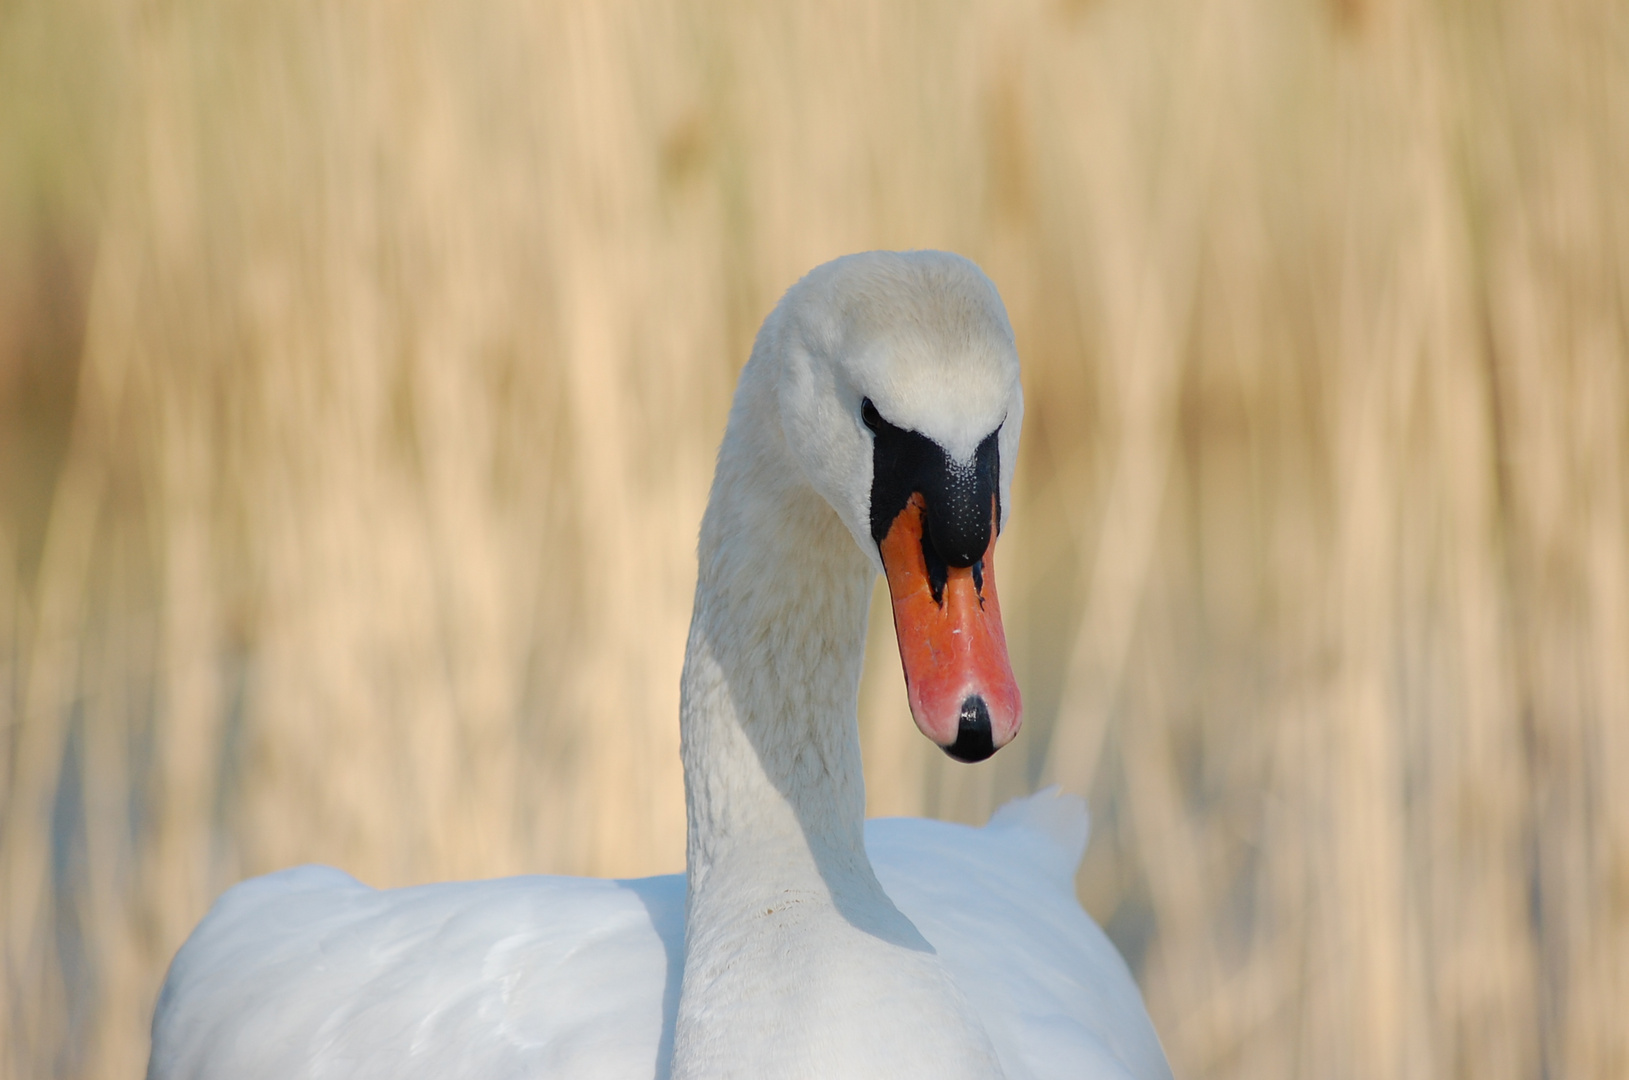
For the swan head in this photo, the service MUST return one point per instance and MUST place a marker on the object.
(899, 399)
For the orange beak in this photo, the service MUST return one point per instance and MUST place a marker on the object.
(957, 675)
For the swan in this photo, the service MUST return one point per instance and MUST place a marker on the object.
(873, 430)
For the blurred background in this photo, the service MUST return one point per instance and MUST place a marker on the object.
(361, 368)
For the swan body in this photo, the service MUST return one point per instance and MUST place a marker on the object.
(579, 977)
(874, 430)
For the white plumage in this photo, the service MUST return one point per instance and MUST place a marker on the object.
(798, 945)
(579, 977)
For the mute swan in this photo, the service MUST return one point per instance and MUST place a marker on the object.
(873, 430)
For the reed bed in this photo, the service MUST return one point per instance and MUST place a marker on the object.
(361, 368)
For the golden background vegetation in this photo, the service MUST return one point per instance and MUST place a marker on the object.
(361, 366)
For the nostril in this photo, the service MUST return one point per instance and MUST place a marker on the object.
(975, 740)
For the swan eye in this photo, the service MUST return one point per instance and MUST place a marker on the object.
(869, 414)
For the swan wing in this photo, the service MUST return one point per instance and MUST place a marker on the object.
(309, 973)
(999, 906)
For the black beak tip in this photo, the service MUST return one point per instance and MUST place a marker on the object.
(975, 741)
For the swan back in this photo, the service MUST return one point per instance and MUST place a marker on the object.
(309, 973)
(999, 905)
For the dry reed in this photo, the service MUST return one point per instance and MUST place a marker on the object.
(361, 367)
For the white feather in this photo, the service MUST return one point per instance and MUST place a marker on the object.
(309, 973)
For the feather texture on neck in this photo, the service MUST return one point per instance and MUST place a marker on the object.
(786, 918)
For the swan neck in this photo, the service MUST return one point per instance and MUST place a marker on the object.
(769, 735)
(785, 917)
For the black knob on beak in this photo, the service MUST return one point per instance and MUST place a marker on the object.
(962, 500)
